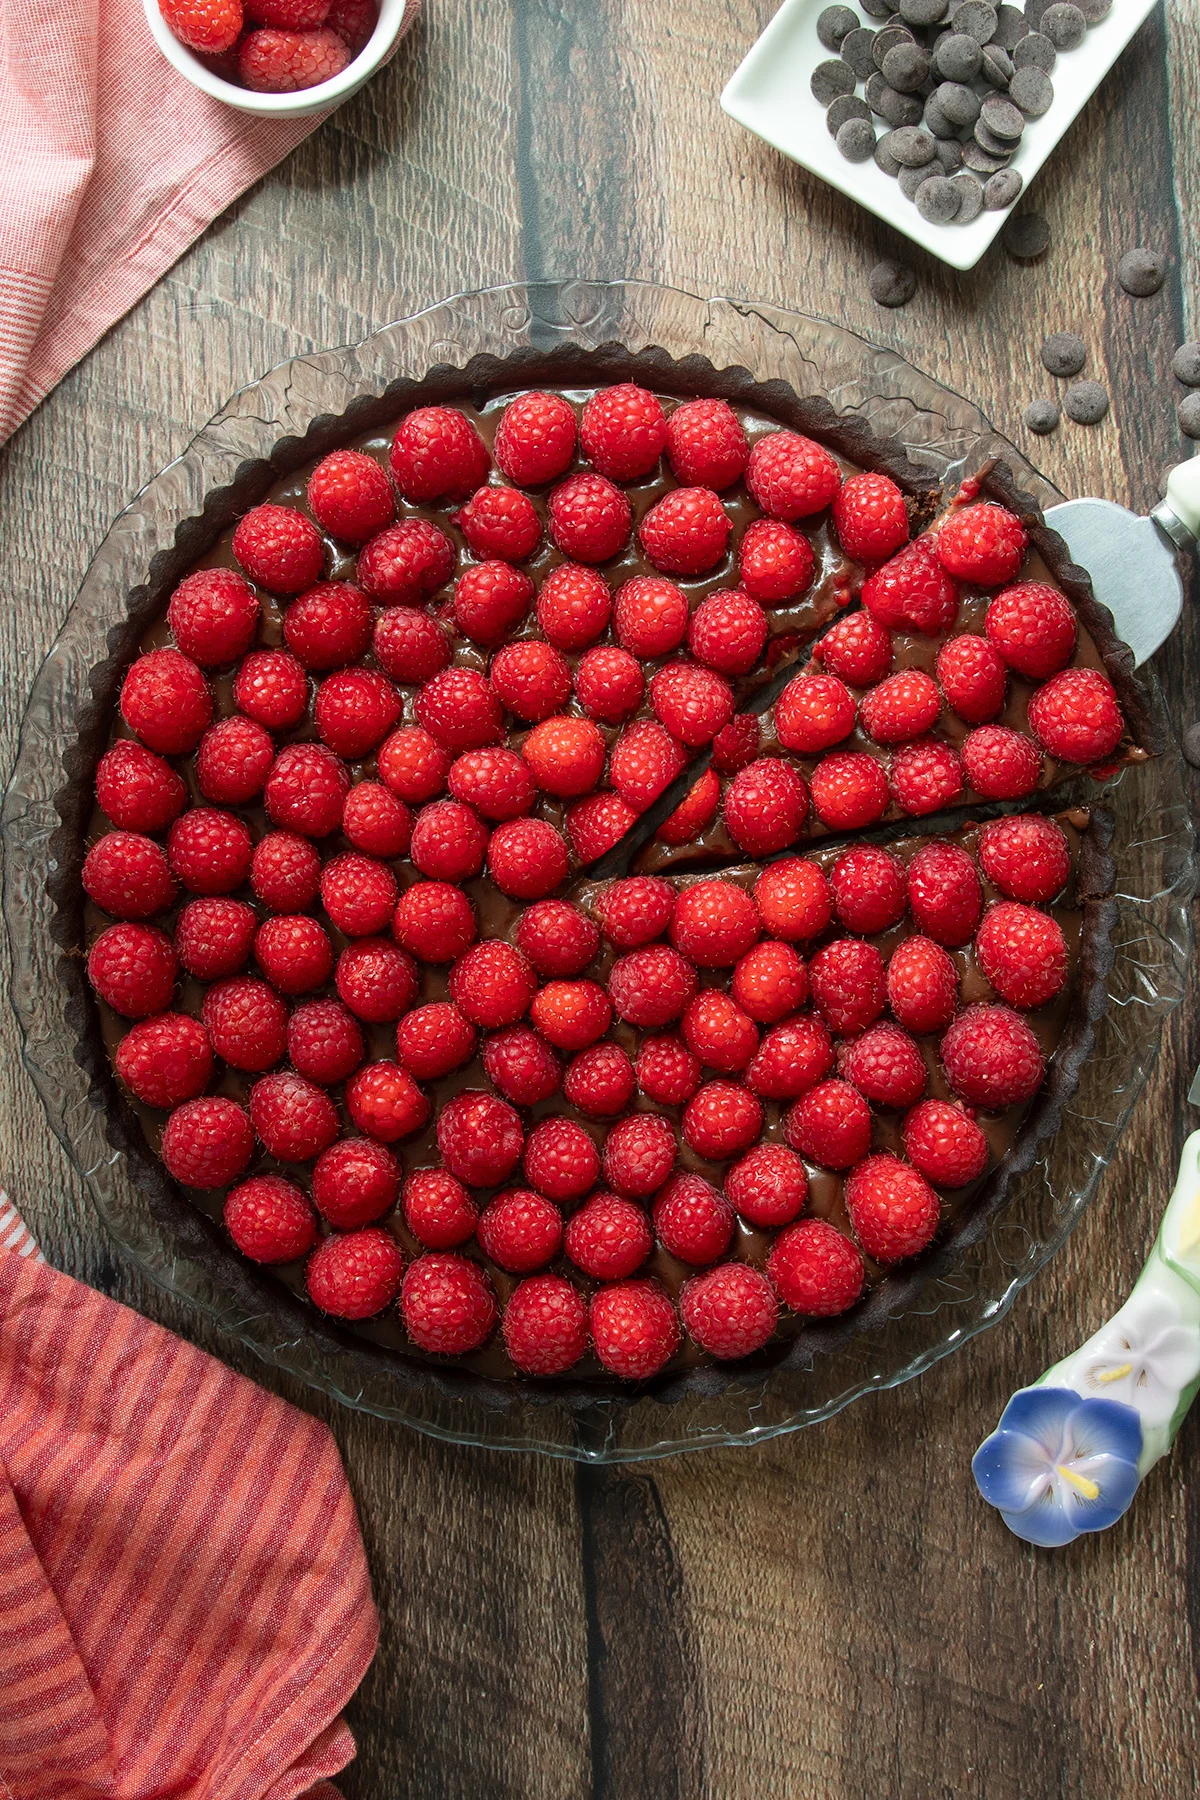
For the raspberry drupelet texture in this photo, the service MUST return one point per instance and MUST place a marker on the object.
(329, 626)
(356, 1275)
(447, 1304)
(634, 1327)
(279, 548)
(270, 1220)
(354, 1182)
(132, 967)
(213, 615)
(406, 563)
(350, 496)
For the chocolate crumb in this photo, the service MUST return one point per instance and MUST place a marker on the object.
(1064, 353)
(1185, 364)
(834, 25)
(1141, 272)
(891, 283)
(1086, 402)
(1188, 412)
(1042, 416)
(1026, 235)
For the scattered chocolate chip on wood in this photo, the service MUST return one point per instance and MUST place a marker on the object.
(1086, 402)
(891, 283)
(1042, 416)
(1026, 235)
(1188, 412)
(1185, 364)
(1141, 272)
(1064, 353)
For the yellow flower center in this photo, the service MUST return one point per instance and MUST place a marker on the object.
(1114, 1374)
(1080, 1483)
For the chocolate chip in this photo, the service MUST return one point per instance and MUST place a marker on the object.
(1064, 353)
(876, 9)
(912, 147)
(1086, 402)
(1026, 235)
(981, 160)
(830, 79)
(1035, 52)
(959, 102)
(936, 121)
(846, 106)
(1032, 90)
(1094, 10)
(1185, 364)
(1191, 745)
(1141, 272)
(923, 12)
(858, 50)
(834, 24)
(884, 158)
(894, 108)
(887, 39)
(1042, 416)
(1001, 189)
(957, 57)
(891, 283)
(910, 180)
(856, 140)
(997, 66)
(950, 155)
(938, 200)
(1064, 25)
(1002, 118)
(905, 67)
(995, 146)
(970, 196)
(1188, 412)
(1034, 9)
(976, 18)
(1011, 27)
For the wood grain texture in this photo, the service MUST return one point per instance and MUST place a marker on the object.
(832, 1614)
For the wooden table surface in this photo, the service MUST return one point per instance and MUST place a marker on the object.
(834, 1614)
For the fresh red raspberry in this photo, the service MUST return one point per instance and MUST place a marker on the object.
(903, 706)
(590, 519)
(650, 616)
(434, 921)
(768, 1186)
(410, 646)
(870, 517)
(128, 875)
(686, 532)
(535, 440)
(666, 1071)
(329, 626)
(133, 968)
(1023, 953)
(355, 709)
(166, 702)
(136, 789)
(437, 454)
(520, 1231)
(813, 713)
(349, 494)
(623, 431)
(765, 806)
(376, 980)
(597, 824)
(460, 710)
(848, 984)
(500, 522)
(693, 1222)
(693, 702)
(775, 562)
(600, 1081)
(790, 476)
(922, 985)
(706, 445)
(770, 982)
(448, 841)
(354, 1182)
(885, 1065)
(566, 755)
(284, 62)
(609, 684)
(233, 761)
(294, 1118)
(639, 1154)
(992, 1058)
(730, 1311)
(522, 1065)
(246, 1023)
(574, 606)
(531, 679)
(490, 601)
(285, 871)
(945, 1143)
(288, 15)
(272, 688)
(737, 745)
(717, 1031)
(407, 563)
(912, 592)
(557, 938)
(857, 649)
(634, 1328)
(727, 632)
(652, 986)
(715, 923)
(924, 776)
(792, 1057)
(438, 1209)
(870, 889)
(1001, 764)
(294, 953)
(325, 1042)
(359, 894)
(560, 1159)
(355, 1276)
(413, 764)
(973, 677)
(694, 813)
(213, 615)
(545, 1325)
(375, 821)
(497, 783)
(527, 858)
(278, 547)
(571, 1014)
(831, 1125)
(636, 910)
(892, 1208)
(944, 894)
(816, 1270)
(722, 1120)
(447, 1304)
(645, 761)
(1027, 856)
(609, 1237)
(492, 984)
(794, 899)
(207, 1142)
(983, 543)
(1076, 716)
(206, 26)
(385, 1102)
(306, 790)
(270, 1220)
(210, 851)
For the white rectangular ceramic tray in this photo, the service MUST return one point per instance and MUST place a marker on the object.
(770, 95)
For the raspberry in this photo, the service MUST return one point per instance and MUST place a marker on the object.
(973, 677)
(407, 563)
(375, 821)
(609, 684)
(432, 1040)
(645, 761)
(600, 1081)
(359, 894)
(545, 1325)
(590, 519)
(794, 899)
(133, 968)
(715, 923)
(438, 1209)
(634, 1328)
(775, 562)
(520, 1231)
(276, 545)
(666, 1071)
(531, 679)
(651, 987)
(694, 813)
(573, 606)
(206, 1143)
(459, 709)
(737, 745)
(349, 495)
(409, 645)
(816, 1270)
(535, 440)
(205, 26)
(434, 921)
(284, 62)
(285, 871)
(288, 15)
(355, 1276)
(557, 938)
(210, 851)
(522, 1065)
(136, 789)
(693, 1221)
(294, 1118)
(272, 688)
(497, 783)
(376, 980)
(983, 543)
(1076, 716)
(768, 1186)
(790, 476)
(722, 1120)
(448, 841)
(848, 984)
(490, 601)
(329, 626)
(247, 1023)
(354, 21)
(924, 776)
(903, 706)
(623, 431)
(165, 1060)
(770, 982)
(492, 984)
(912, 592)
(597, 824)
(706, 445)
(608, 1238)
(437, 454)
(650, 616)
(944, 894)
(717, 1031)
(166, 702)
(413, 764)
(792, 1057)
(566, 755)
(447, 1304)
(893, 1210)
(355, 710)
(870, 889)
(991, 1058)
(730, 1311)
(922, 985)
(385, 1102)
(727, 631)
(813, 713)
(944, 1142)
(571, 1014)
(831, 1125)
(857, 649)
(694, 703)
(885, 1065)
(294, 953)
(765, 806)
(233, 761)
(213, 615)
(270, 1220)
(636, 910)
(306, 790)
(325, 1042)
(1023, 954)
(870, 517)
(355, 1182)
(686, 532)
(500, 522)
(1000, 764)
(128, 875)
(1026, 856)
(639, 1154)
(560, 1159)
(527, 858)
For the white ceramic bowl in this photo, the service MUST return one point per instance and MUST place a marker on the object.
(283, 106)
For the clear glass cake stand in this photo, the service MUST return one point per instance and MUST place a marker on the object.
(938, 428)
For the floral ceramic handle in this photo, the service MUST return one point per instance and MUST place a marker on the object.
(1069, 1452)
